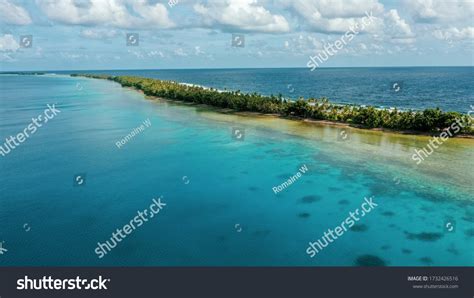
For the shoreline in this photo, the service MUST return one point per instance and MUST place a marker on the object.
(293, 118)
(467, 133)
(391, 149)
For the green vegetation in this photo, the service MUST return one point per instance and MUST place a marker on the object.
(24, 73)
(429, 120)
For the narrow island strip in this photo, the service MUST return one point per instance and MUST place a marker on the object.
(429, 121)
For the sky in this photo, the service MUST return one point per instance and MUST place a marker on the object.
(162, 34)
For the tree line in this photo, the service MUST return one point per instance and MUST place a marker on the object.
(429, 120)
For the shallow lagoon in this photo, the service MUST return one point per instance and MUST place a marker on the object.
(227, 214)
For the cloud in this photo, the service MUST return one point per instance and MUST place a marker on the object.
(179, 52)
(445, 20)
(13, 14)
(333, 16)
(198, 51)
(73, 56)
(6, 57)
(436, 11)
(137, 54)
(304, 44)
(114, 13)
(98, 33)
(240, 15)
(397, 29)
(454, 33)
(155, 53)
(8, 43)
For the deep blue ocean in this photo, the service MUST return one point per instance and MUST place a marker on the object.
(221, 209)
(449, 88)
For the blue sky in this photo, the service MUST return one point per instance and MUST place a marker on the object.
(91, 34)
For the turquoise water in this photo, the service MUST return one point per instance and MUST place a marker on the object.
(221, 209)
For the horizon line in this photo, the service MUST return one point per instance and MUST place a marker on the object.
(217, 68)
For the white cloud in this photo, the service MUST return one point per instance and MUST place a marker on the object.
(198, 51)
(333, 16)
(6, 57)
(180, 52)
(430, 11)
(454, 33)
(397, 29)
(13, 14)
(8, 43)
(445, 20)
(242, 15)
(338, 16)
(108, 13)
(155, 53)
(98, 33)
(137, 54)
(73, 56)
(304, 44)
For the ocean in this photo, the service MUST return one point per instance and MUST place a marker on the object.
(69, 186)
(417, 88)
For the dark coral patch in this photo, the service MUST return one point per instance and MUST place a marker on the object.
(424, 236)
(427, 209)
(284, 176)
(359, 228)
(343, 202)
(468, 218)
(453, 250)
(304, 215)
(469, 233)
(253, 188)
(275, 151)
(388, 213)
(469, 215)
(426, 260)
(381, 189)
(385, 247)
(434, 197)
(406, 251)
(369, 261)
(261, 233)
(310, 199)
